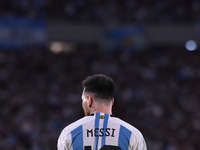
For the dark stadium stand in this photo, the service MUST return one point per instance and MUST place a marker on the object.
(157, 89)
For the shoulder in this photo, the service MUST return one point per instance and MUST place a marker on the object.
(134, 131)
(76, 124)
(123, 123)
(136, 137)
(64, 139)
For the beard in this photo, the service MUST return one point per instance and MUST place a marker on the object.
(87, 113)
(86, 109)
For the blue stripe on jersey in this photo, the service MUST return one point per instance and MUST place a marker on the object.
(96, 126)
(105, 123)
(77, 138)
(124, 138)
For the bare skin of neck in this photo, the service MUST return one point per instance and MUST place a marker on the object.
(101, 108)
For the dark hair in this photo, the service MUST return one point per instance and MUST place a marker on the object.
(100, 85)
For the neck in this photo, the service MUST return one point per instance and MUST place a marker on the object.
(101, 108)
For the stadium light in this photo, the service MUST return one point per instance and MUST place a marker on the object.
(191, 45)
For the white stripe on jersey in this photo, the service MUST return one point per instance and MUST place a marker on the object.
(93, 132)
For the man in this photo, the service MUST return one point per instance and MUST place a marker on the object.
(98, 130)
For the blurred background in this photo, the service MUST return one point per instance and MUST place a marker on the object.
(149, 47)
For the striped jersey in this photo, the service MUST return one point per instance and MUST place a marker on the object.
(100, 132)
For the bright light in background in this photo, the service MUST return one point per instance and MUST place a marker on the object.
(58, 47)
(191, 45)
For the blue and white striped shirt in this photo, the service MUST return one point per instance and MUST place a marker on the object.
(100, 131)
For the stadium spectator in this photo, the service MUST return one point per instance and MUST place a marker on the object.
(40, 94)
(96, 11)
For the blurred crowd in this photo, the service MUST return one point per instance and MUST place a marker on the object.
(157, 91)
(103, 11)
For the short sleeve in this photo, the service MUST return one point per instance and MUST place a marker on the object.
(64, 141)
(137, 142)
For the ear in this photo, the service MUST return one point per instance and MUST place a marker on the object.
(90, 101)
(113, 101)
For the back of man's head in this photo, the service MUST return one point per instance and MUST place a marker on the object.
(100, 85)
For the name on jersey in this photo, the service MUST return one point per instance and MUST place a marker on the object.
(101, 132)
